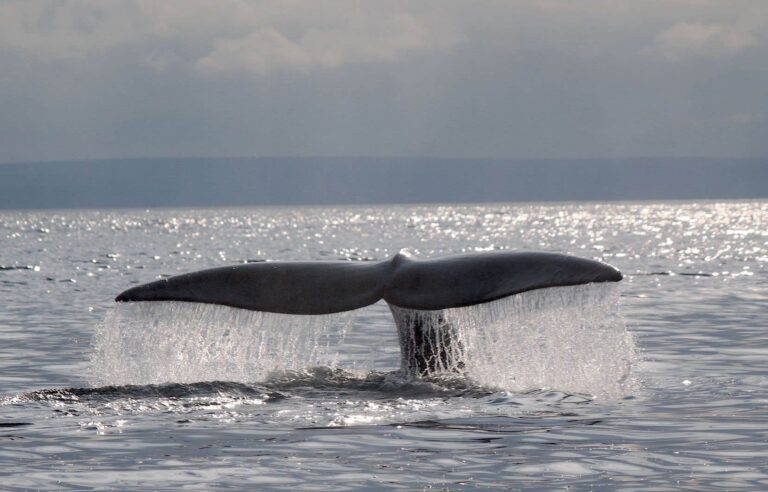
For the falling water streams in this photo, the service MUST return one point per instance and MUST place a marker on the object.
(570, 338)
(161, 342)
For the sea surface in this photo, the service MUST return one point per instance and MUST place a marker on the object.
(658, 383)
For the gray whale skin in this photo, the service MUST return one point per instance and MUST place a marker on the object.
(324, 287)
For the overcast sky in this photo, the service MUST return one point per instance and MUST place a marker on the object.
(506, 79)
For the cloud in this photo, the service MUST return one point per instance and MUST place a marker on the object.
(398, 77)
(263, 36)
(747, 118)
(266, 50)
(693, 39)
(45, 30)
(223, 35)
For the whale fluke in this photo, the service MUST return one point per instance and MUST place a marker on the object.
(334, 286)
(416, 291)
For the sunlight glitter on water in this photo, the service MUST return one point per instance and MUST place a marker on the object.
(697, 422)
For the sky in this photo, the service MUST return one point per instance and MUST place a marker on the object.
(88, 79)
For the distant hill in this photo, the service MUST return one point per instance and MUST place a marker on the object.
(303, 181)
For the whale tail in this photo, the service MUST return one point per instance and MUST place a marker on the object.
(334, 286)
(406, 284)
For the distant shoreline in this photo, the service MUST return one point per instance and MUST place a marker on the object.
(326, 181)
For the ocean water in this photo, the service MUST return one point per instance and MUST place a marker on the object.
(657, 383)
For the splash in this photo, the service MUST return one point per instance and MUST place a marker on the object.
(161, 342)
(569, 339)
